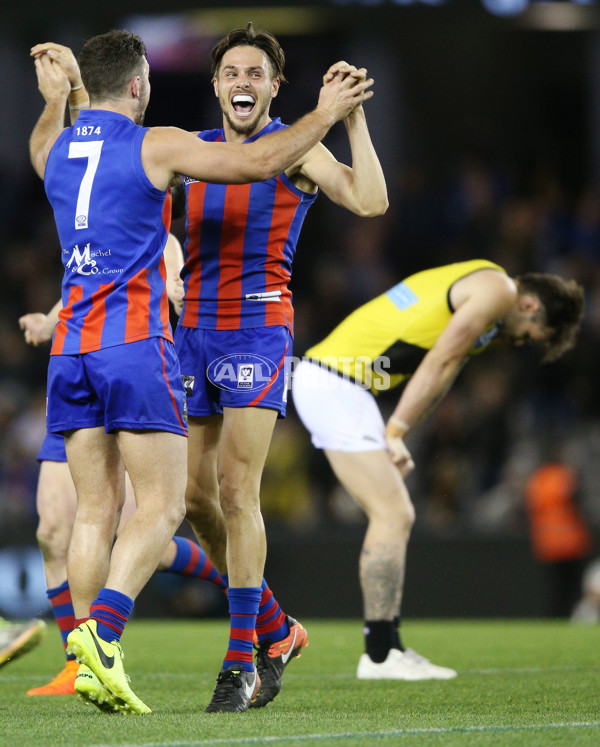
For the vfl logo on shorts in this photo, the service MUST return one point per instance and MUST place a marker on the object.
(245, 376)
(241, 371)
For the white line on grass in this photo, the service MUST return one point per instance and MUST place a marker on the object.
(370, 735)
(529, 670)
(338, 675)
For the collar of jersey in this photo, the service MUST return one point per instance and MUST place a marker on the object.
(102, 113)
(272, 125)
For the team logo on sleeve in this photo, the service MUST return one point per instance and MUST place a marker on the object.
(241, 371)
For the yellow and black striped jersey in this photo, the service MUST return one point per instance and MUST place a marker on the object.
(383, 342)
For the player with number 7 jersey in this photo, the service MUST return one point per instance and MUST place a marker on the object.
(114, 383)
(114, 281)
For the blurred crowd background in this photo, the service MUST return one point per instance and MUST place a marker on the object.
(488, 127)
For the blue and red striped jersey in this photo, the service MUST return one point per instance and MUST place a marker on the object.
(112, 234)
(241, 240)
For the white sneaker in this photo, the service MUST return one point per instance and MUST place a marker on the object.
(407, 665)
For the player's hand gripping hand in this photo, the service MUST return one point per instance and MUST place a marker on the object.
(343, 68)
(344, 90)
(63, 57)
(37, 328)
(53, 82)
(394, 437)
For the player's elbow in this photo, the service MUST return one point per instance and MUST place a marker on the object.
(444, 364)
(383, 205)
(375, 210)
(372, 207)
(37, 162)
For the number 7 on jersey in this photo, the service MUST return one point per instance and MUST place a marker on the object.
(90, 150)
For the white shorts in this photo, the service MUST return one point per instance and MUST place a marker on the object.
(339, 415)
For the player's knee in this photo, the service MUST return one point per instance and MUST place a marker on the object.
(395, 514)
(198, 494)
(403, 516)
(203, 521)
(175, 512)
(235, 500)
(200, 507)
(53, 540)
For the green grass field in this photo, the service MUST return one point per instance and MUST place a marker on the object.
(520, 682)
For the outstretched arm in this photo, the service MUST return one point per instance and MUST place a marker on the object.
(491, 296)
(55, 87)
(361, 188)
(167, 151)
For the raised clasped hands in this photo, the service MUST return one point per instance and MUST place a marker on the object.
(345, 88)
(63, 57)
(53, 82)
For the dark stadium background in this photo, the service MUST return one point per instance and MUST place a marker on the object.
(488, 127)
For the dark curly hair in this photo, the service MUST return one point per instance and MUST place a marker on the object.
(248, 37)
(109, 61)
(563, 307)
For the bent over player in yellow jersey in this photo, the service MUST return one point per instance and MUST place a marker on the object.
(422, 329)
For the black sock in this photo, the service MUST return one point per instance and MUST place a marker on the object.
(379, 639)
(397, 639)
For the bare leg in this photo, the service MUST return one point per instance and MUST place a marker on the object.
(373, 480)
(376, 483)
(245, 438)
(127, 512)
(97, 471)
(56, 506)
(156, 463)
(203, 507)
(245, 443)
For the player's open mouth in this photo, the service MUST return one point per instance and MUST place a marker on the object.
(243, 104)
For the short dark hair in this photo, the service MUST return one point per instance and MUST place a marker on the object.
(109, 61)
(248, 37)
(563, 306)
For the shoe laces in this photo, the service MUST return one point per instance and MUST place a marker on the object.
(228, 682)
(262, 649)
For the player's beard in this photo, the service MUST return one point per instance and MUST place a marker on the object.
(248, 126)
